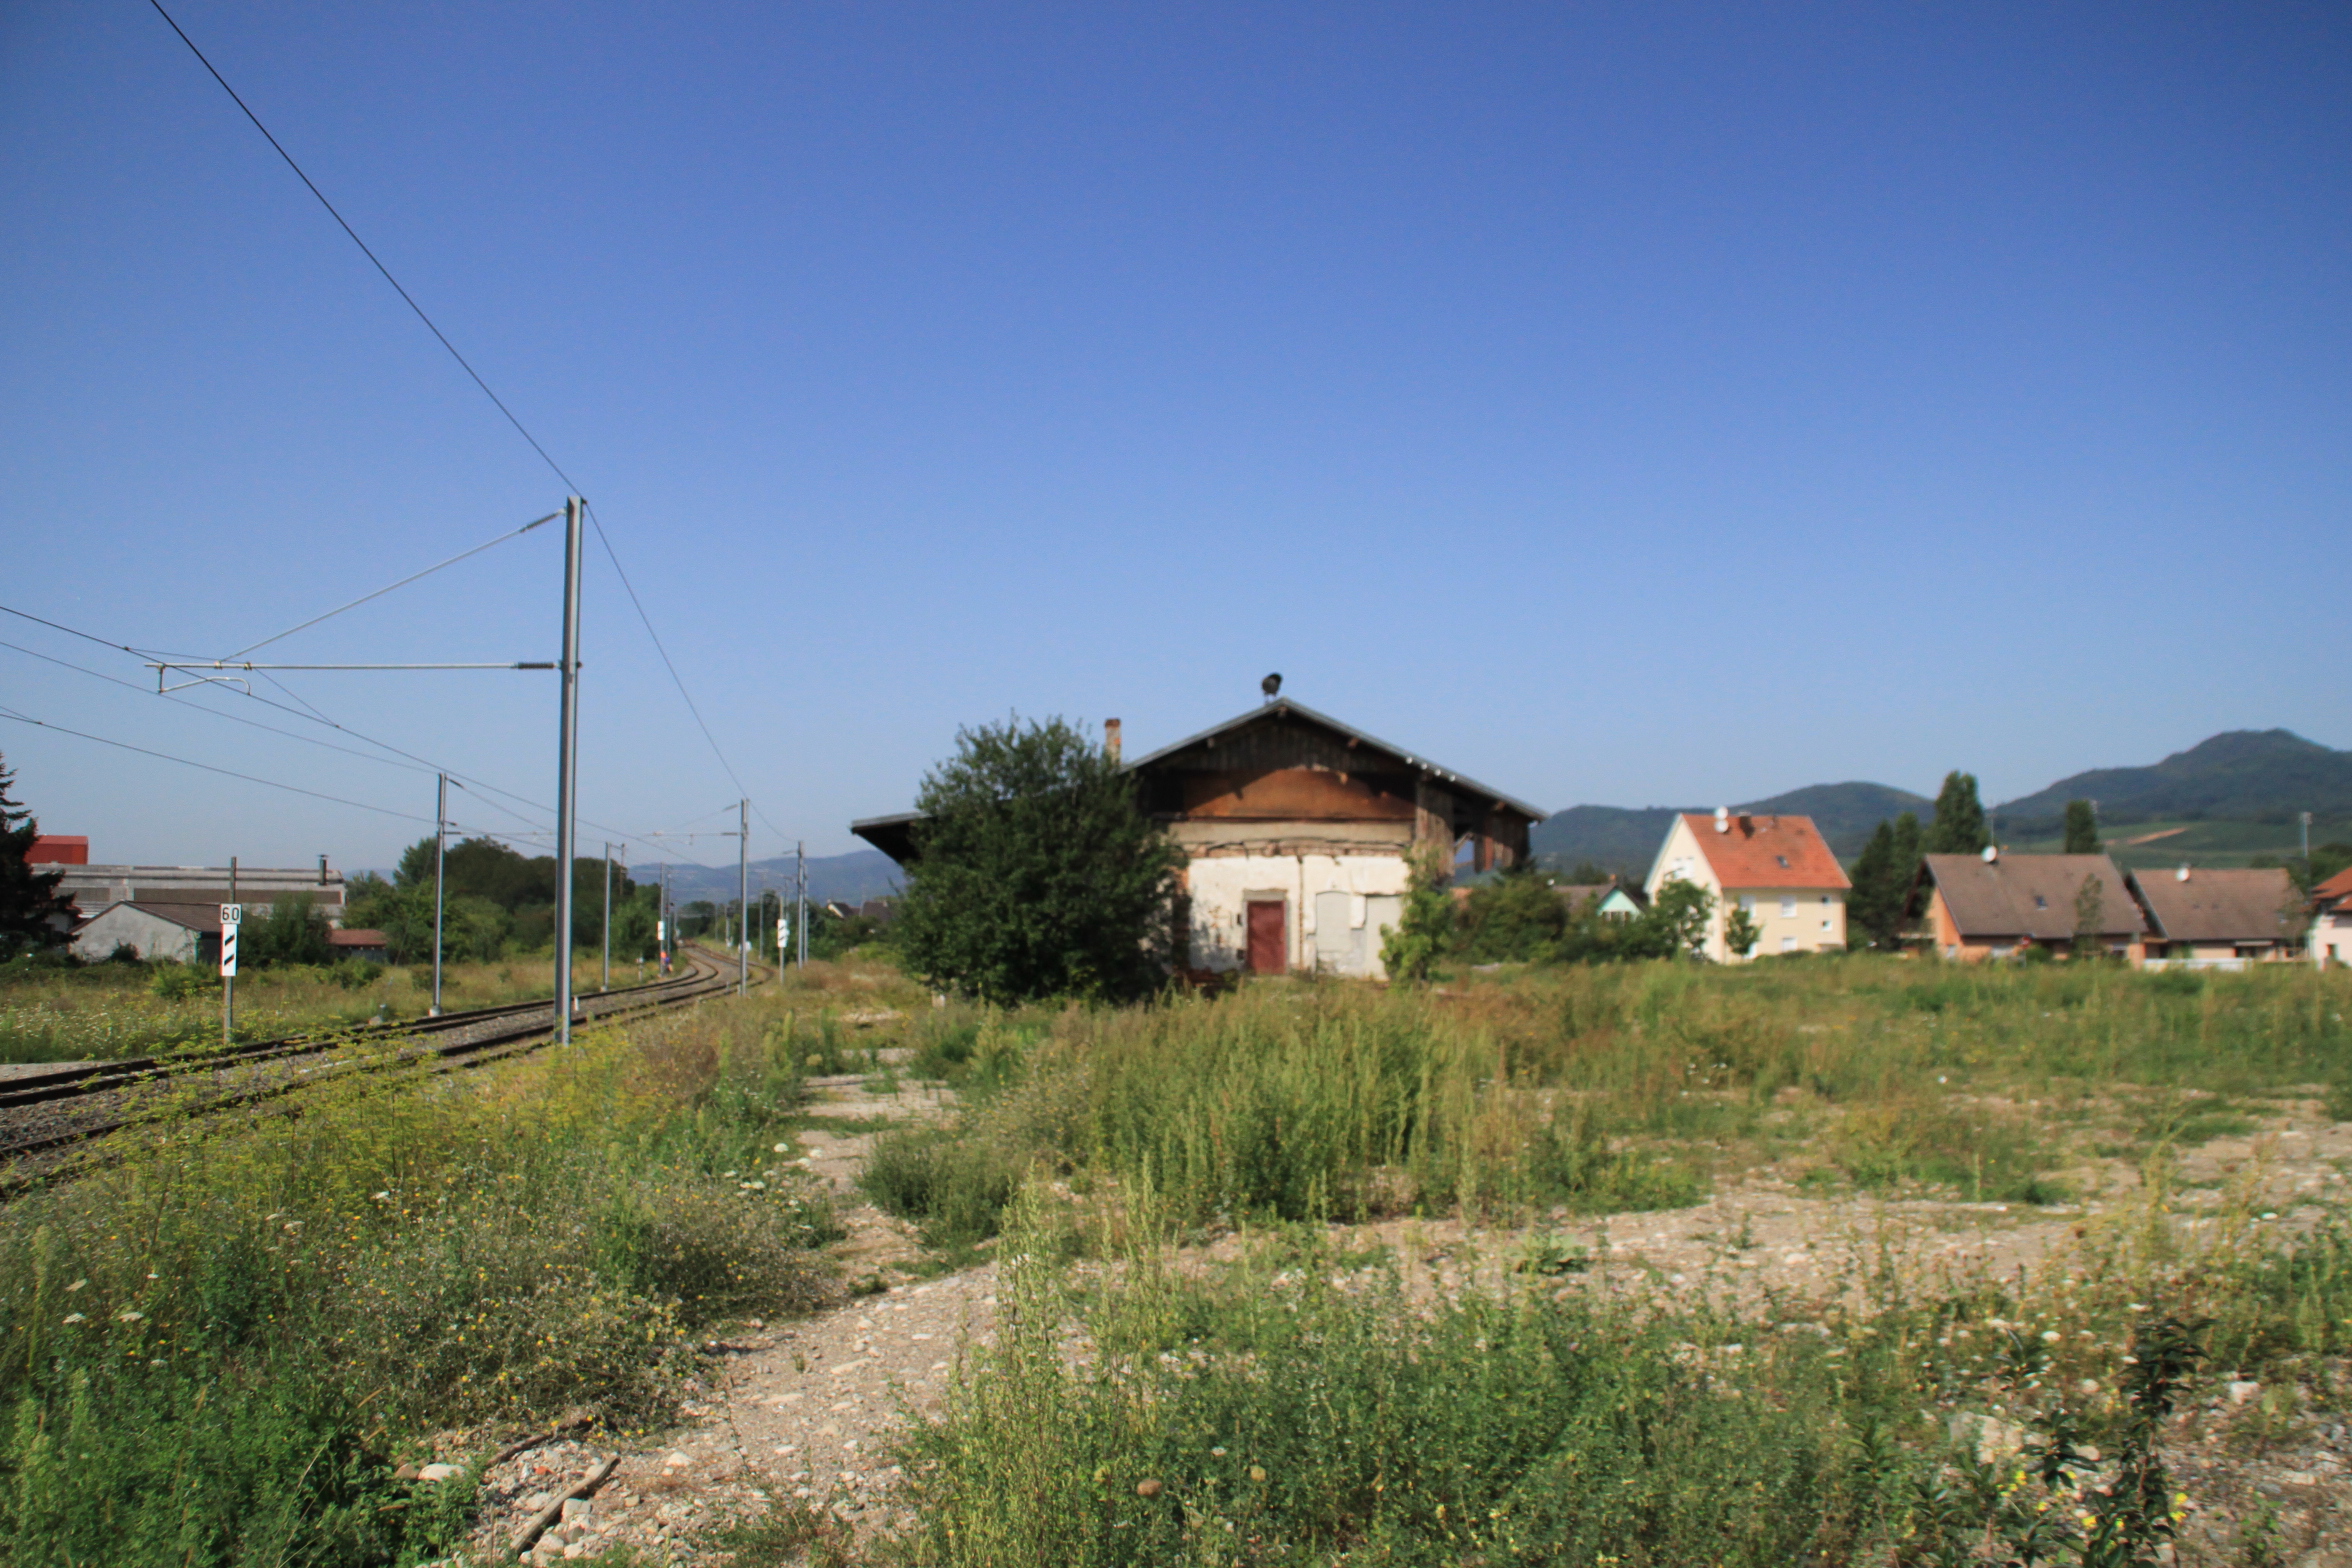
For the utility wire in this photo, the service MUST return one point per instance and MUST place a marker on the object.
(412, 760)
(677, 680)
(380, 592)
(26, 718)
(500, 404)
(476, 376)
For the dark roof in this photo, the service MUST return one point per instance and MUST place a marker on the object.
(2220, 905)
(362, 937)
(2030, 895)
(203, 918)
(1283, 707)
(894, 834)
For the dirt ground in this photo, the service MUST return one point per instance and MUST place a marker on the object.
(805, 1410)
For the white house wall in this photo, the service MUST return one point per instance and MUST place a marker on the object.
(1815, 921)
(1336, 907)
(155, 938)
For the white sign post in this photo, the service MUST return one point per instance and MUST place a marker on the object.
(783, 940)
(231, 916)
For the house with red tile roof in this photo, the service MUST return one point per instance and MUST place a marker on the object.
(1778, 869)
(2330, 934)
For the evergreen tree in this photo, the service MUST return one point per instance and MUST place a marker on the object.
(1882, 879)
(1036, 872)
(1959, 825)
(29, 901)
(2082, 828)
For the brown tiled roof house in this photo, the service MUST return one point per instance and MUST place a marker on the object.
(1977, 908)
(2220, 917)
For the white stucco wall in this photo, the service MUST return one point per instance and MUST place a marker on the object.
(1336, 907)
(2330, 938)
(153, 937)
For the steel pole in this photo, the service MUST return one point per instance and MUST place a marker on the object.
(800, 900)
(743, 897)
(440, 854)
(567, 782)
(606, 983)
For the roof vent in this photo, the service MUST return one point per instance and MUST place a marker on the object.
(2182, 875)
(1992, 852)
(1723, 819)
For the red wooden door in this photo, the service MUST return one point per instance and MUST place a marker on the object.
(1269, 938)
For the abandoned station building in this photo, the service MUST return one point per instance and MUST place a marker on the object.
(1298, 834)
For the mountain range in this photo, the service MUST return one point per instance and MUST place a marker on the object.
(2255, 776)
(859, 875)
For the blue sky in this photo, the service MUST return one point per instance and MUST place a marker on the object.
(1641, 404)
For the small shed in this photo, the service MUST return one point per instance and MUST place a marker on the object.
(155, 930)
(2223, 919)
(371, 945)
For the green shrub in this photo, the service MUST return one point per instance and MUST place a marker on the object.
(177, 982)
(954, 1188)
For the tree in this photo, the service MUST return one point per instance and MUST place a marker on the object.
(1882, 878)
(1036, 874)
(1959, 825)
(2090, 916)
(289, 931)
(1675, 924)
(1517, 916)
(31, 908)
(1425, 926)
(2082, 828)
(1741, 933)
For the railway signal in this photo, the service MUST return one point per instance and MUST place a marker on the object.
(231, 916)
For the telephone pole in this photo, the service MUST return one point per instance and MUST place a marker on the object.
(440, 854)
(567, 780)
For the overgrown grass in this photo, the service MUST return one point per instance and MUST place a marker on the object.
(219, 1350)
(1614, 1088)
(1300, 1406)
(109, 1011)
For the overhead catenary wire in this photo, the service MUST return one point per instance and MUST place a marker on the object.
(412, 762)
(144, 751)
(475, 376)
(406, 297)
(389, 587)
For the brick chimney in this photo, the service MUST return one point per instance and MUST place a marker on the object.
(1111, 738)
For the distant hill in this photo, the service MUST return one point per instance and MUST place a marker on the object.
(1846, 814)
(2240, 776)
(861, 874)
(1626, 839)
(1623, 839)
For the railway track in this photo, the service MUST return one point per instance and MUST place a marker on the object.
(44, 1116)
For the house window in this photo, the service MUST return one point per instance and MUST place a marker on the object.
(1788, 907)
(1788, 944)
(1748, 902)
(2041, 902)
(1783, 859)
